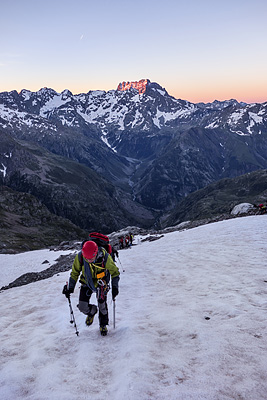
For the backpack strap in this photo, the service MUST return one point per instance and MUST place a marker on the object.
(103, 267)
(106, 257)
(80, 257)
(106, 254)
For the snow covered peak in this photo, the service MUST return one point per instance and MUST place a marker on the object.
(26, 94)
(220, 105)
(54, 101)
(137, 104)
(65, 94)
(45, 91)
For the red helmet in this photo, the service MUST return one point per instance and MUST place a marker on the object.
(89, 251)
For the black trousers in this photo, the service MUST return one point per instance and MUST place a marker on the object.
(87, 308)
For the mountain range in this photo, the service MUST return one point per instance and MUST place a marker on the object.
(105, 160)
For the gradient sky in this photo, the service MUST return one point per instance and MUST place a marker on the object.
(198, 50)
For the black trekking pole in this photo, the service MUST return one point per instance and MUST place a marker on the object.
(114, 308)
(123, 270)
(72, 319)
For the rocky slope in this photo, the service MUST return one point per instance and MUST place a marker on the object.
(26, 224)
(219, 198)
(67, 188)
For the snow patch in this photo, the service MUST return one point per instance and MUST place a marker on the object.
(236, 116)
(8, 155)
(105, 140)
(162, 117)
(55, 102)
(26, 94)
(3, 170)
(161, 92)
(212, 125)
(255, 118)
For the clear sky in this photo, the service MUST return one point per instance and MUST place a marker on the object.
(198, 50)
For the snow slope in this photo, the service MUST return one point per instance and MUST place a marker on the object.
(190, 325)
(13, 266)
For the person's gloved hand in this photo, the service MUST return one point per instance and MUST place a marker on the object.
(67, 291)
(115, 292)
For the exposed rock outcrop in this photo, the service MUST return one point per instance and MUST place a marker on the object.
(139, 85)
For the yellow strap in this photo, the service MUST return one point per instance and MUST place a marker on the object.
(97, 266)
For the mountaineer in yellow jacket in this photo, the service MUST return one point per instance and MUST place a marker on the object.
(95, 265)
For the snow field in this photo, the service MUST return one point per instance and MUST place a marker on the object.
(190, 325)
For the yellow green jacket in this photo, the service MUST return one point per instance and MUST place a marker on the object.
(91, 272)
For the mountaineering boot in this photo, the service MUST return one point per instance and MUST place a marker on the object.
(90, 317)
(103, 330)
